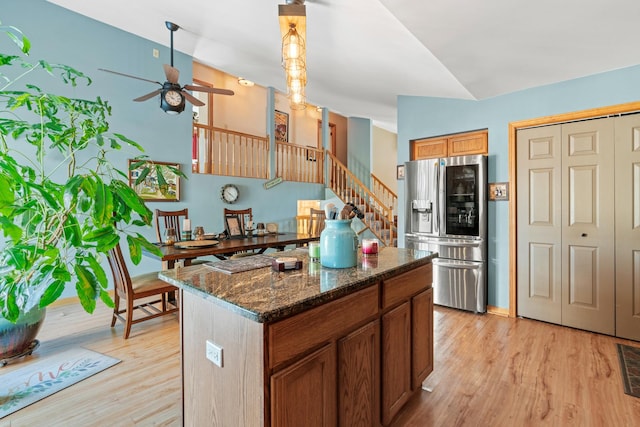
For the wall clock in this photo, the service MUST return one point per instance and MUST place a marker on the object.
(229, 193)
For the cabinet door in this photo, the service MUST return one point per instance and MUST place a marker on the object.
(431, 148)
(422, 337)
(304, 394)
(467, 144)
(359, 377)
(396, 360)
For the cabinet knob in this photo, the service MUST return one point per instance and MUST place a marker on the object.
(583, 235)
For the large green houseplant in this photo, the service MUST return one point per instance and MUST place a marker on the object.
(63, 204)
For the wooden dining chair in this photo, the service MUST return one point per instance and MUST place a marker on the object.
(316, 221)
(169, 219)
(245, 216)
(172, 219)
(145, 294)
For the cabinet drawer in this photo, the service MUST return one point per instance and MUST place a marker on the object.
(406, 285)
(298, 334)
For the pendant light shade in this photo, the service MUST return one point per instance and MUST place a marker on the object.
(293, 28)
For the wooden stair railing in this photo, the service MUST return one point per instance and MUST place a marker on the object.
(384, 193)
(299, 163)
(378, 217)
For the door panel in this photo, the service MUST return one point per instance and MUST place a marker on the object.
(541, 279)
(541, 206)
(539, 223)
(627, 160)
(582, 270)
(582, 193)
(588, 246)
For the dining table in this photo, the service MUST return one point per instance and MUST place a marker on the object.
(225, 248)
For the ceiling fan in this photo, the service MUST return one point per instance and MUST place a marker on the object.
(172, 95)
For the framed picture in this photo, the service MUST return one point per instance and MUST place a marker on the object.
(233, 226)
(400, 172)
(282, 126)
(311, 154)
(155, 181)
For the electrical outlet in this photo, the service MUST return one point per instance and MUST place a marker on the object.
(156, 53)
(214, 353)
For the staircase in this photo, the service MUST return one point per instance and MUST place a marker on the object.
(378, 214)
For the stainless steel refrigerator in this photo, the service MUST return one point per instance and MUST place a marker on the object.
(446, 212)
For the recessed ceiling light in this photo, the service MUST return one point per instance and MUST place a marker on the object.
(244, 82)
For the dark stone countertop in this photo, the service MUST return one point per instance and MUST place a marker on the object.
(265, 296)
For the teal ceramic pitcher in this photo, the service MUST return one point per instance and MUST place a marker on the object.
(338, 244)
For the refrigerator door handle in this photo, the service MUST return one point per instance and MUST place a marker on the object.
(436, 179)
(458, 243)
(440, 262)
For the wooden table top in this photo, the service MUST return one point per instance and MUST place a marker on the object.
(228, 247)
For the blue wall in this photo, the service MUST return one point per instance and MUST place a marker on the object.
(61, 36)
(359, 135)
(420, 117)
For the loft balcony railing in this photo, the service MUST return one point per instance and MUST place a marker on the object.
(219, 151)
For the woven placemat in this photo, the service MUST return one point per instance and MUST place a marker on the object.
(193, 244)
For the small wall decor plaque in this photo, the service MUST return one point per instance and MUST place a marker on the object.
(498, 191)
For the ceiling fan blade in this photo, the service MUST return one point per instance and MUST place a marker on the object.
(209, 89)
(192, 99)
(128, 75)
(172, 73)
(148, 96)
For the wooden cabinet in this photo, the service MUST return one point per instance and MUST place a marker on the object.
(352, 361)
(359, 377)
(431, 148)
(353, 369)
(422, 349)
(460, 144)
(304, 394)
(396, 360)
(407, 337)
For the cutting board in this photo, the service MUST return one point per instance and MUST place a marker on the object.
(195, 244)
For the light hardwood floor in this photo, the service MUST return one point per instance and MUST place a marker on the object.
(489, 371)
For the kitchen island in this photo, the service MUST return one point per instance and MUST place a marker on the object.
(313, 347)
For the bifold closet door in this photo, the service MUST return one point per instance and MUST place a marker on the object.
(539, 228)
(588, 238)
(565, 227)
(628, 227)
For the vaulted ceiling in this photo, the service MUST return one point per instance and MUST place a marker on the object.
(362, 54)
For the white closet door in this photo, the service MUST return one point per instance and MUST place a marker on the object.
(539, 228)
(628, 226)
(588, 241)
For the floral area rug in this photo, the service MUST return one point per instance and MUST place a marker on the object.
(630, 367)
(42, 378)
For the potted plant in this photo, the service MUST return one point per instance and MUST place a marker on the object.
(63, 204)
